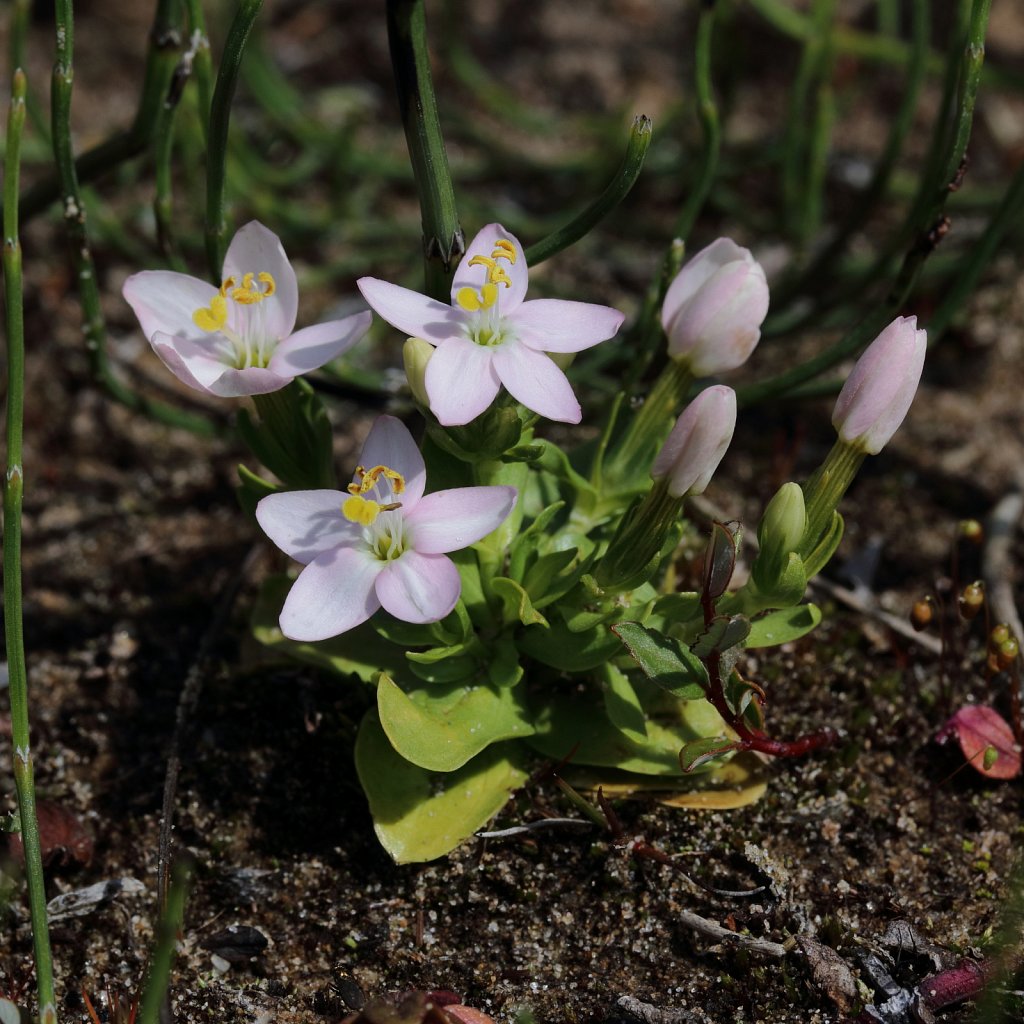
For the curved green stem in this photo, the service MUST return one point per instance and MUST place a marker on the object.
(217, 137)
(202, 63)
(167, 931)
(13, 497)
(617, 190)
(707, 111)
(443, 240)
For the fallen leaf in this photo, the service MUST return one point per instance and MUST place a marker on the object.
(981, 731)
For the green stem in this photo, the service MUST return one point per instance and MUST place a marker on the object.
(95, 329)
(167, 931)
(617, 190)
(161, 60)
(202, 63)
(825, 489)
(707, 111)
(13, 498)
(443, 240)
(217, 137)
(21, 12)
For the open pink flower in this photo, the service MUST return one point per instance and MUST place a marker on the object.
(381, 543)
(489, 336)
(237, 339)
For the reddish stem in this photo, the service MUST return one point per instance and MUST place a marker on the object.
(963, 981)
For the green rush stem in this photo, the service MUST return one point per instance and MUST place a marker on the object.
(819, 271)
(800, 175)
(13, 498)
(616, 190)
(443, 240)
(926, 236)
(95, 329)
(967, 273)
(21, 12)
(161, 60)
(202, 62)
(167, 931)
(707, 111)
(217, 137)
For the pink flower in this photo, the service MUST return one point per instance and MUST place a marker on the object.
(489, 336)
(382, 543)
(877, 394)
(698, 442)
(237, 339)
(714, 308)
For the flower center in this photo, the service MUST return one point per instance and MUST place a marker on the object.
(371, 496)
(487, 328)
(247, 343)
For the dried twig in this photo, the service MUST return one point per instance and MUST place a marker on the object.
(997, 561)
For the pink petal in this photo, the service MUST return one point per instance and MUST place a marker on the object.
(254, 380)
(256, 249)
(333, 594)
(509, 297)
(979, 728)
(697, 272)
(165, 301)
(454, 519)
(460, 381)
(304, 524)
(557, 325)
(413, 314)
(533, 379)
(390, 444)
(312, 347)
(419, 588)
(190, 361)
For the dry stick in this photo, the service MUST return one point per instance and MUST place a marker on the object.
(187, 701)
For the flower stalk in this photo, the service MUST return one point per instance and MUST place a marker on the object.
(13, 498)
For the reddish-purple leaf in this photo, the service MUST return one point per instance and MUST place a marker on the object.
(981, 731)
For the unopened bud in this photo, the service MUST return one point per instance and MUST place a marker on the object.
(698, 442)
(881, 386)
(972, 600)
(416, 353)
(971, 530)
(780, 532)
(714, 309)
(922, 613)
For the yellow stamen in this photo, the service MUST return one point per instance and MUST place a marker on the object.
(468, 299)
(371, 476)
(213, 318)
(482, 261)
(504, 249)
(360, 510)
(271, 285)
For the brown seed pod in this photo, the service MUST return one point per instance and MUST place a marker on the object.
(972, 600)
(971, 530)
(922, 613)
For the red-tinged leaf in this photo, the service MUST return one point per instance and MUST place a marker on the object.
(986, 740)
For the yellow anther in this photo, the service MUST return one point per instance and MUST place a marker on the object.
(488, 295)
(268, 280)
(360, 510)
(213, 318)
(482, 261)
(468, 299)
(504, 249)
(228, 282)
(371, 476)
(499, 275)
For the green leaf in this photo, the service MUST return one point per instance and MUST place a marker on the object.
(779, 627)
(453, 670)
(623, 705)
(518, 607)
(699, 753)
(719, 560)
(723, 633)
(664, 661)
(503, 668)
(569, 651)
(528, 541)
(252, 490)
(442, 727)
(523, 453)
(360, 651)
(419, 815)
(677, 608)
(545, 580)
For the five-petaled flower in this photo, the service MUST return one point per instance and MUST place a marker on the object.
(381, 543)
(237, 339)
(490, 336)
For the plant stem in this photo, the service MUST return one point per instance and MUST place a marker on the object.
(443, 240)
(707, 111)
(217, 136)
(13, 497)
(161, 60)
(617, 190)
(202, 64)
(167, 931)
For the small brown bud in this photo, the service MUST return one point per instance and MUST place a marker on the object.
(972, 600)
(970, 530)
(999, 635)
(1006, 653)
(922, 613)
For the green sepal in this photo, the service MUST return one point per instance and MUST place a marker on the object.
(783, 625)
(420, 815)
(440, 728)
(524, 453)
(252, 490)
(516, 601)
(664, 660)
(484, 439)
(823, 551)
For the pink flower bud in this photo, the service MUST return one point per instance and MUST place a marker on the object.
(879, 390)
(697, 443)
(714, 308)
